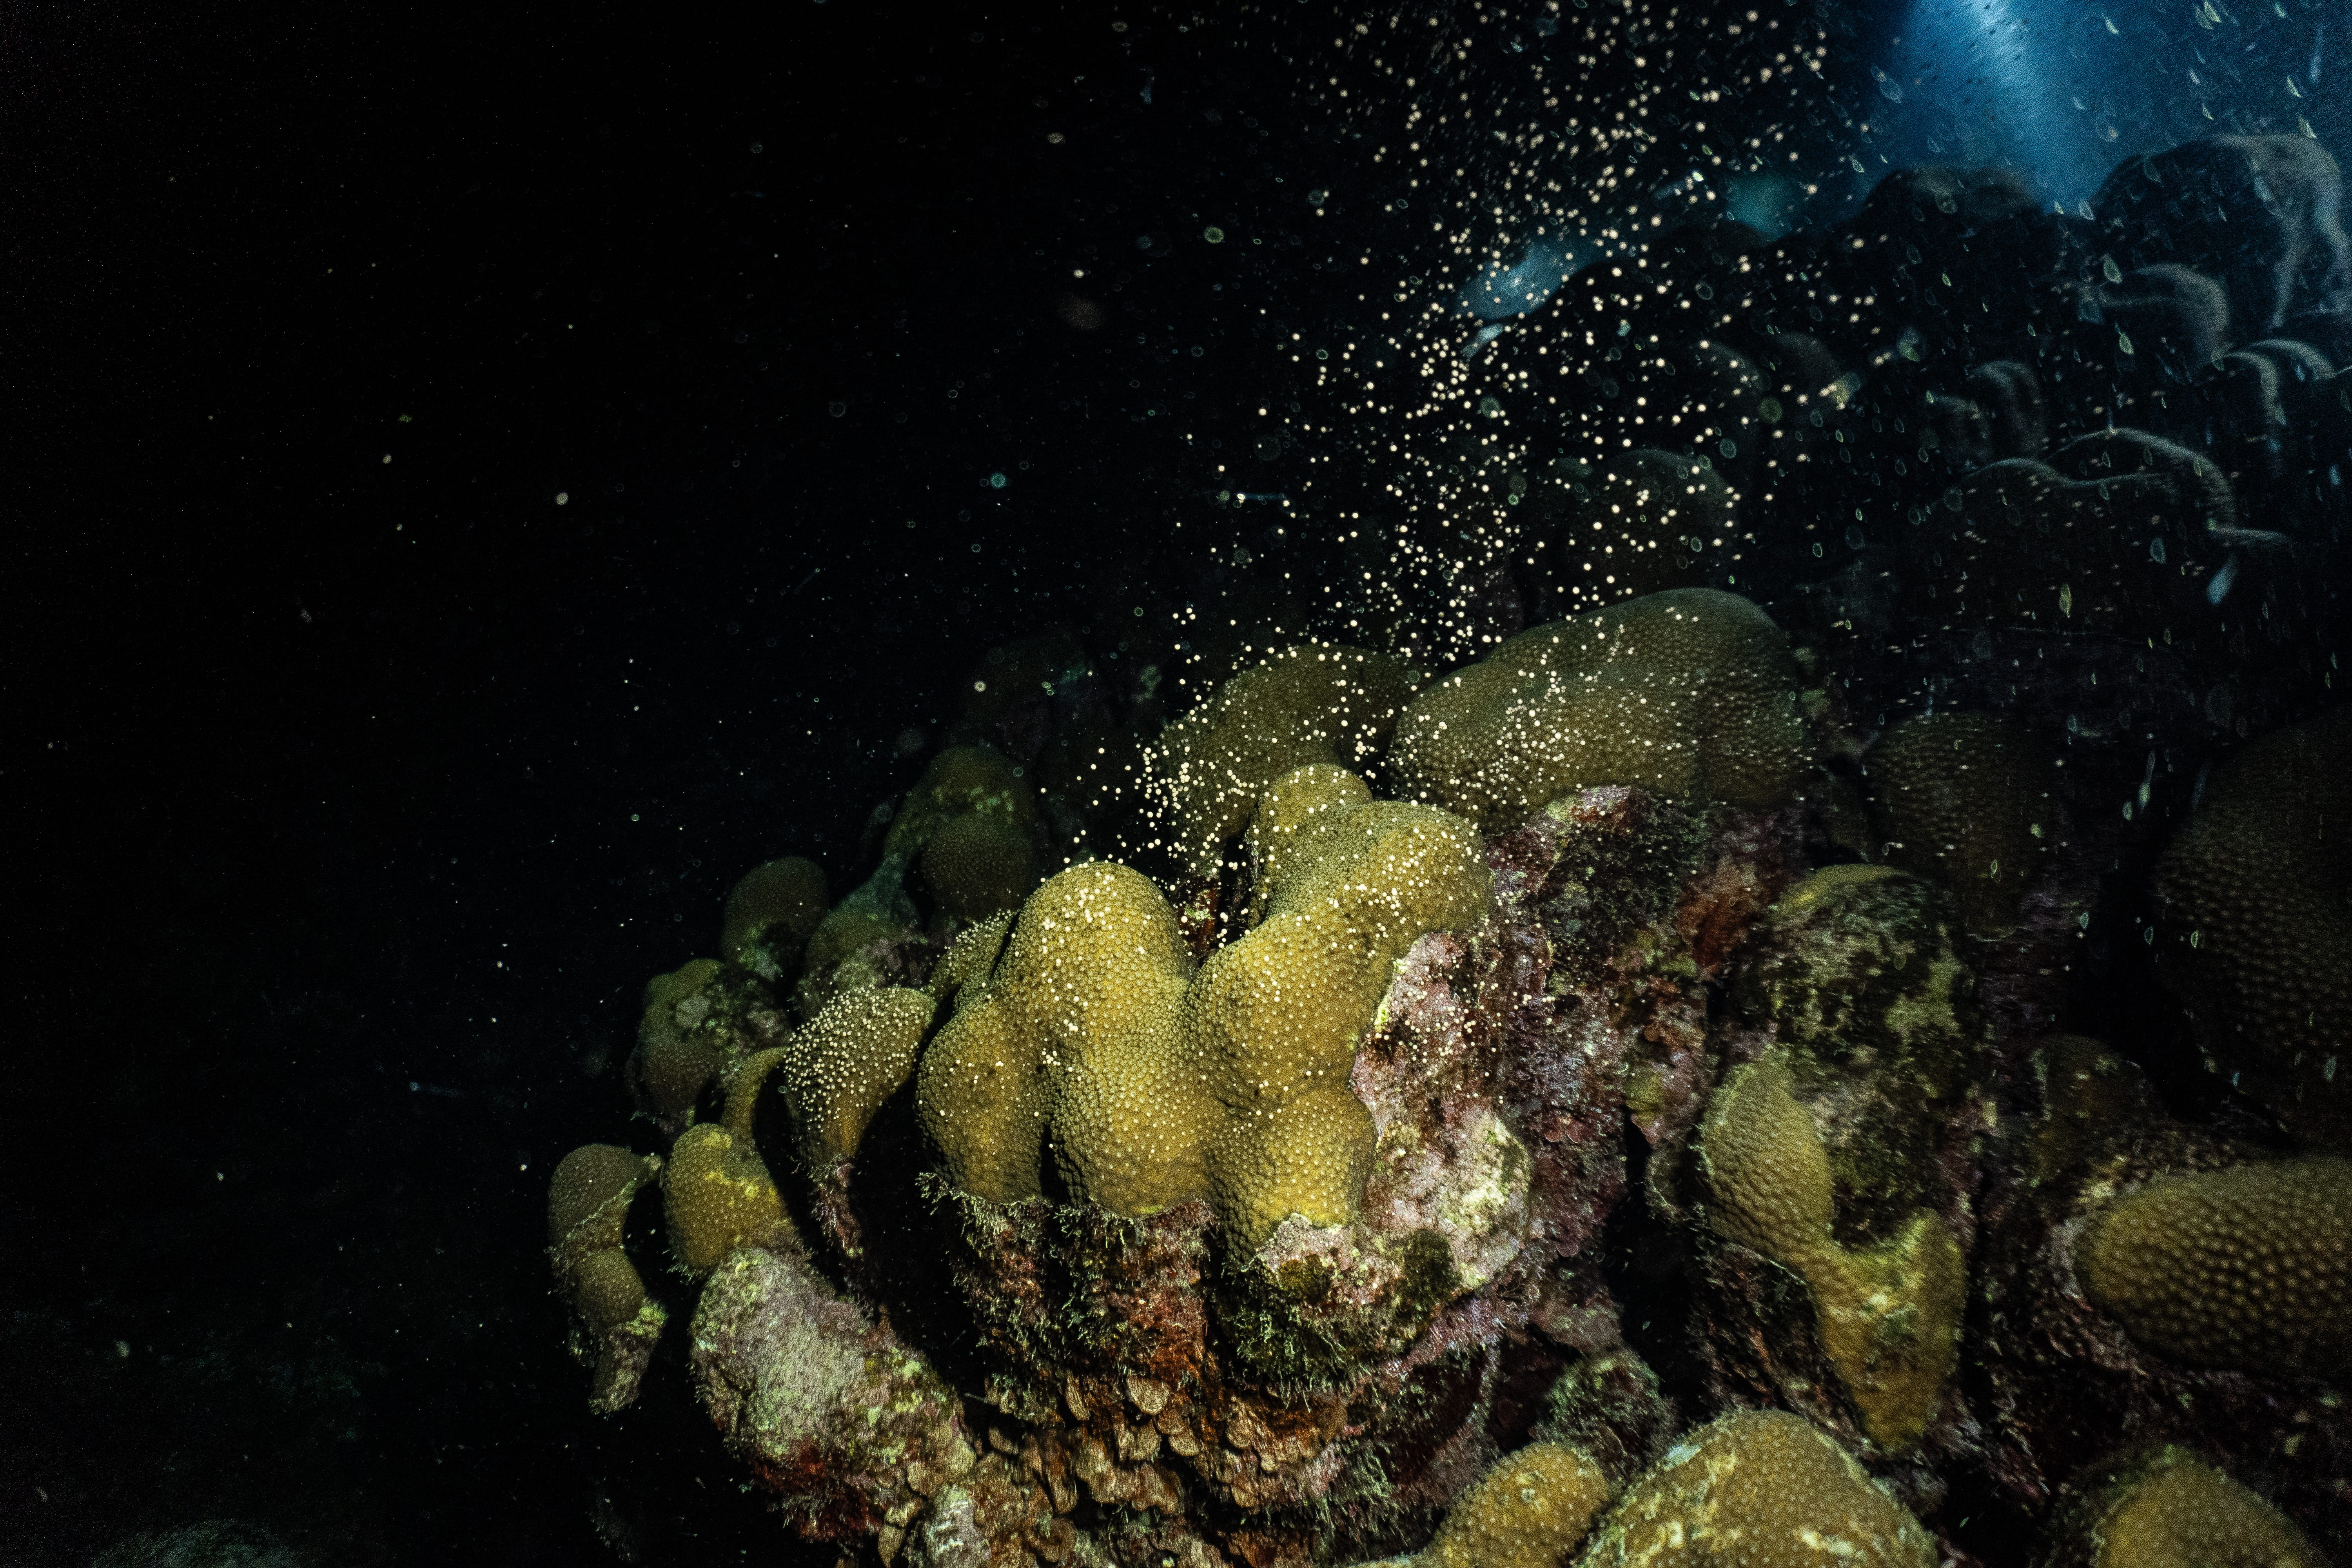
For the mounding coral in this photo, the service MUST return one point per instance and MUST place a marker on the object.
(1070, 1225)
(1687, 692)
(2248, 1267)
(716, 1192)
(2149, 1276)
(1157, 1086)
(768, 915)
(1962, 797)
(1532, 1509)
(1314, 702)
(2160, 1506)
(2251, 895)
(1298, 1232)
(613, 1323)
(1760, 1489)
(1889, 1315)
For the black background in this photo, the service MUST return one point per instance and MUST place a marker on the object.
(350, 802)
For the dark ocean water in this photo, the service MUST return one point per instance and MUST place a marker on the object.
(480, 480)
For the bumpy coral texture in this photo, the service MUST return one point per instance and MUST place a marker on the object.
(1758, 1489)
(1312, 704)
(716, 1192)
(1888, 1316)
(769, 916)
(845, 1062)
(2187, 1514)
(2252, 889)
(1689, 692)
(1274, 1018)
(1962, 797)
(1529, 1512)
(2247, 1267)
(978, 865)
(1159, 1084)
(1082, 1006)
(615, 1325)
(698, 1022)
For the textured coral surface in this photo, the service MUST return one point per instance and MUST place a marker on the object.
(1758, 1489)
(2247, 1267)
(1634, 1097)
(1689, 691)
(2168, 1509)
(2252, 889)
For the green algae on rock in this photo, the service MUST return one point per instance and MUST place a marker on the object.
(1857, 974)
(1888, 1316)
(849, 1426)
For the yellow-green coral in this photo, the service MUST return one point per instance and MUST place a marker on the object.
(1758, 1489)
(978, 865)
(845, 1062)
(716, 1190)
(1159, 1086)
(1857, 973)
(1690, 693)
(2169, 1509)
(1077, 1022)
(770, 914)
(1888, 1316)
(698, 1021)
(614, 1324)
(1273, 1020)
(968, 822)
(2248, 1268)
(1962, 797)
(1317, 702)
(970, 960)
(1529, 1512)
(2253, 892)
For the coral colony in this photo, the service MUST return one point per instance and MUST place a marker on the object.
(1248, 1130)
